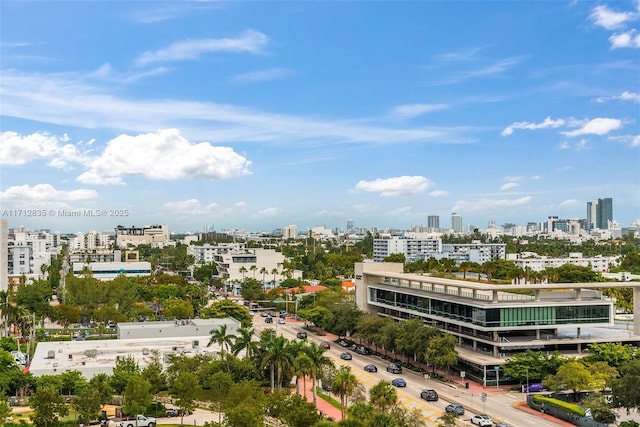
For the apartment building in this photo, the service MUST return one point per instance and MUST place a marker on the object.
(537, 262)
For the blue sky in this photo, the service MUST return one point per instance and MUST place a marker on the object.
(258, 115)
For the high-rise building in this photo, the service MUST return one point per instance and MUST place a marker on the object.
(605, 213)
(599, 213)
(456, 223)
(349, 224)
(4, 255)
(433, 222)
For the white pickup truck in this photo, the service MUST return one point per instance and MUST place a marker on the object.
(140, 421)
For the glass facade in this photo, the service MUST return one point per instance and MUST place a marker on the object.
(521, 315)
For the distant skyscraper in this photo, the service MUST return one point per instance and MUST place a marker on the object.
(349, 224)
(433, 222)
(605, 213)
(456, 223)
(599, 213)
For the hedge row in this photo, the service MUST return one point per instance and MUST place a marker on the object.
(568, 407)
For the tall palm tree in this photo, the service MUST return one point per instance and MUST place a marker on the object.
(319, 360)
(302, 367)
(253, 268)
(263, 271)
(220, 337)
(243, 270)
(383, 395)
(244, 341)
(278, 357)
(344, 385)
(274, 271)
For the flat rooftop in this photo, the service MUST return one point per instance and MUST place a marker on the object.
(92, 357)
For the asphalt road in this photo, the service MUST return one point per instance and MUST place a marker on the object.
(500, 406)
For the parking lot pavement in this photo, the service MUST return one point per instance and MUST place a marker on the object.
(198, 418)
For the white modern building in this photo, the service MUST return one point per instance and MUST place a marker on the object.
(111, 270)
(4, 255)
(538, 263)
(154, 235)
(492, 322)
(411, 248)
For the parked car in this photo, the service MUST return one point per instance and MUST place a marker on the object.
(263, 314)
(281, 321)
(399, 382)
(429, 395)
(370, 368)
(268, 320)
(481, 420)
(325, 345)
(532, 388)
(343, 343)
(171, 413)
(362, 350)
(302, 335)
(456, 408)
(346, 356)
(394, 369)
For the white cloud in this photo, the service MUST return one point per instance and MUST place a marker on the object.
(190, 207)
(610, 19)
(16, 149)
(597, 126)
(509, 185)
(570, 203)
(68, 100)
(270, 212)
(546, 123)
(47, 194)
(262, 76)
(622, 40)
(494, 69)
(250, 41)
(163, 155)
(410, 111)
(624, 96)
(635, 142)
(394, 187)
(439, 193)
(490, 205)
(364, 208)
(535, 177)
(400, 211)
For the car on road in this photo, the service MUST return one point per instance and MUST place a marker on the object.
(325, 345)
(302, 335)
(429, 395)
(394, 369)
(281, 321)
(456, 408)
(343, 343)
(268, 320)
(370, 368)
(481, 420)
(346, 356)
(398, 382)
(362, 350)
(263, 314)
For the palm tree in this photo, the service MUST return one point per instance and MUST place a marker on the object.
(344, 385)
(278, 357)
(243, 270)
(383, 395)
(244, 341)
(302, 367)
(220, 337)
(319, 360)
(274, 271)
(253, 268)
(263, 271)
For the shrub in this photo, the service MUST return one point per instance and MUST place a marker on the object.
(567, 407)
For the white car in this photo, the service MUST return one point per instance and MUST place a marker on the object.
(481, 420)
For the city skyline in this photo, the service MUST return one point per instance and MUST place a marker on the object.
(260, 115)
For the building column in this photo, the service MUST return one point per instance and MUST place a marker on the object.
(537, 334)
(537, 296)
(578, 332)
(578, 294)
(636, 310)
(495, 296)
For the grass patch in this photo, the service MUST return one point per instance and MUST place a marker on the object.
(324, 396)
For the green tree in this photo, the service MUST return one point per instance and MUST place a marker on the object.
(101, 383)
(87, 404)
(154, 373)
(5, 409)
(441, 352)
(625, 390)
(125, 369)
(228, 308)
(383, 396)
(573, 375)
(344, 385)
(221, 383)
(318, 362)
(137, 395)
(48, 406)
(244, 341)
(184, 389)
(279, 358)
